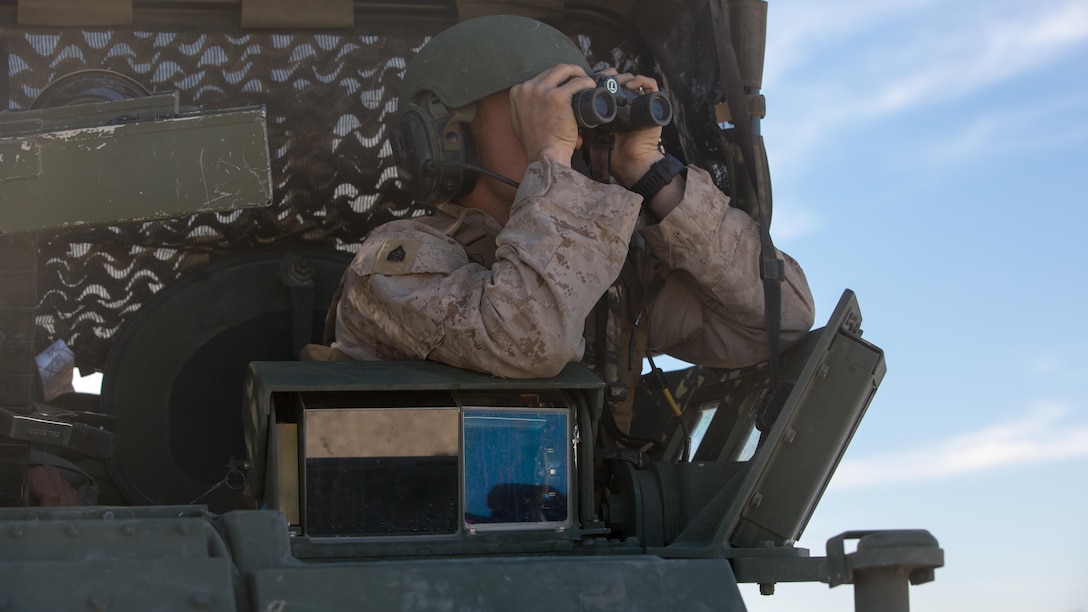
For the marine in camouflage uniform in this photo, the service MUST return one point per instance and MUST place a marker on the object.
(580, 270)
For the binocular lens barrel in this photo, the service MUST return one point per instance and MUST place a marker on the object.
(594, 107)
(647, 110)
(618, 109)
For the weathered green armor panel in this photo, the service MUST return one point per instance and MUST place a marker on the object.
(128, 160)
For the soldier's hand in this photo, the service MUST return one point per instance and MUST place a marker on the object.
(541, 113)
(636, 151)
(49, 488)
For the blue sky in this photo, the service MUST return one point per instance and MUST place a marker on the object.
(931, 156)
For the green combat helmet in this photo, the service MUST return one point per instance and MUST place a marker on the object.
(458, 67)
(479, 57)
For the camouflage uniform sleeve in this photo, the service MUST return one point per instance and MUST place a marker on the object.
(412, 293)
(710, 310)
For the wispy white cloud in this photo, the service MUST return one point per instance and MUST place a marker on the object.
(825, 72)
(796, 28)
(1043, 435)
(1019, 129)
(1045, 365)
(987, 53)
(789, 224)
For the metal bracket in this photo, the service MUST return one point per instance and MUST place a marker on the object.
(771, 564)
(757, 107)
(882, 565)
(915, 549)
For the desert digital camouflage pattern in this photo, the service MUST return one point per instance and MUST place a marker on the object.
(413, 293)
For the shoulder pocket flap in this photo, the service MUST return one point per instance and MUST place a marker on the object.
(397, 254)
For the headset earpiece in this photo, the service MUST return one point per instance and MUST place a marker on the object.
(432, 147)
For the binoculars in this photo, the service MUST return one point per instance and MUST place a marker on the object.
(610, 107)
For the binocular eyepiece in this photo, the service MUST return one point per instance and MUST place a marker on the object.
(617, 109)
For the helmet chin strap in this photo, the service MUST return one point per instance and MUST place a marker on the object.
(597, 154)
(473, 168)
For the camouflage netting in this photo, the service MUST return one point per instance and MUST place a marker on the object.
(330, 100)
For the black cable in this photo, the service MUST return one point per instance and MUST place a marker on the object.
(658, 376)
(479, 170)
(625, 439)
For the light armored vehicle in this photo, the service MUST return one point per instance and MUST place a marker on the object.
(182, 184)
